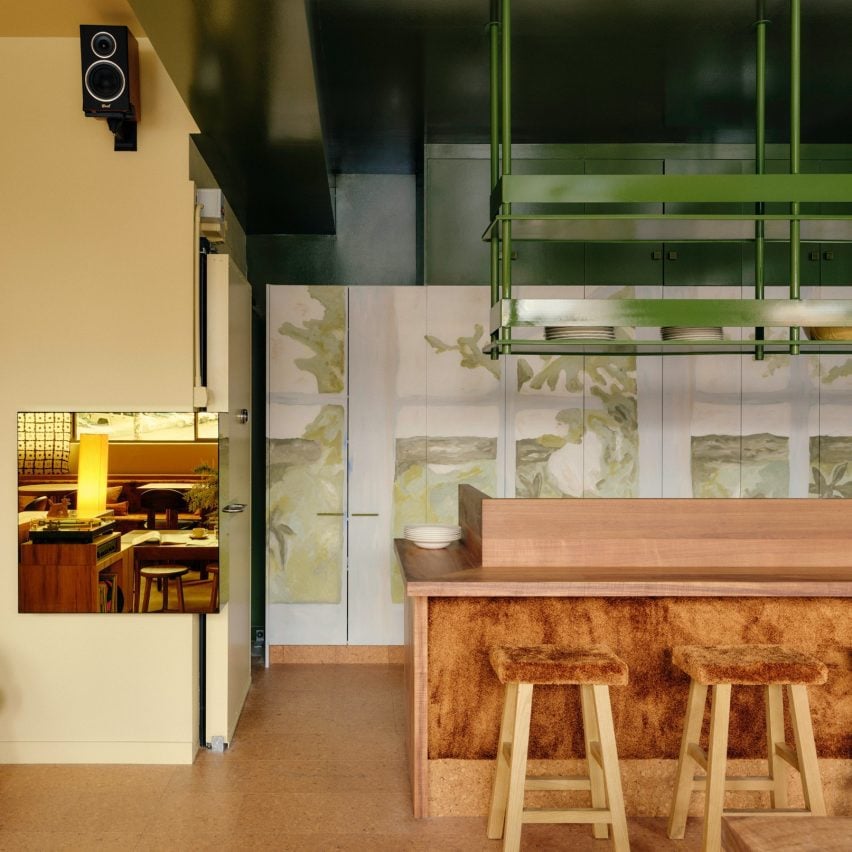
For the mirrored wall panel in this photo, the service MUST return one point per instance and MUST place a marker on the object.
(118, 512)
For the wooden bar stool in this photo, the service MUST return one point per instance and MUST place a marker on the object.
(773, 667)
(594, 670)
(164, 573)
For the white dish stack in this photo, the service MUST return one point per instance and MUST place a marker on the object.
(579, 332)
(432, 536)
(671, 332)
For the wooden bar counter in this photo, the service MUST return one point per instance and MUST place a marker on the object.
(639, 576)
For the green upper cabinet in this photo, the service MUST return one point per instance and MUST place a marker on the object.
(638, 264)
(704, 263)
(457, 213)
(819, 263)
(777, 271)
(548, 262)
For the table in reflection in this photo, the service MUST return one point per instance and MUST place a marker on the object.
(174, 546)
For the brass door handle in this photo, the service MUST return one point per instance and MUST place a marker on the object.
(330, 514)
(365, 514)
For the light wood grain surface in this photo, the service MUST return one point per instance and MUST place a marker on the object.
(416, 685)
(454, 572)
(638, 548)
(667, 533)
(787, 834)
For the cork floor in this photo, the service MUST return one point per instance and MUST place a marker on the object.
(317, 764)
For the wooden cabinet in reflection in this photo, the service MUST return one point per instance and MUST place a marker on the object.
(72, 577)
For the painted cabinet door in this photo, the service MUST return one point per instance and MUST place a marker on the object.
(387, 390)
(425, 413)
(381, 403)
(306, 471)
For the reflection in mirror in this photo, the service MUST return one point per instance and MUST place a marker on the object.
(118, 512)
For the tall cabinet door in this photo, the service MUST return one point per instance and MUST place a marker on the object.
(387, 391)
(306, 471)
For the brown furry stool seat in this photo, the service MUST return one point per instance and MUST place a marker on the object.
(718, 668)
(558, 664)
(594, 669)
(756, 665)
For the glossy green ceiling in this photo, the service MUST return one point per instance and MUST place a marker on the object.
(289, 93)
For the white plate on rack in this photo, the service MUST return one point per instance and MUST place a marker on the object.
(568, 332)
(691, 333)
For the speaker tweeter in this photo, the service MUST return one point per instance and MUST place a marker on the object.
(110, 68)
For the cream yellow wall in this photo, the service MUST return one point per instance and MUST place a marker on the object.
(96, 273)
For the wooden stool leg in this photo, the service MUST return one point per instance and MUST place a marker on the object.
(611, 772)
(775, 737)
(147, 596)
(500, 790)
(518, 769)
(686, 764)
(803, 731)
(214, 592)
(717, 756)
(137, 589)
(181, 604)
(591, 733)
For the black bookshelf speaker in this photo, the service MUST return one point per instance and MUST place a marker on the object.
(110, 66)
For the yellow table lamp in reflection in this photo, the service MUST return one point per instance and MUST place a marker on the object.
(92, 475)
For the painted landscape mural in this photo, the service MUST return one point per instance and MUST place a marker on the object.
(527, 426)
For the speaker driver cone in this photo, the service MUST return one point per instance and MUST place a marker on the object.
(105, 81)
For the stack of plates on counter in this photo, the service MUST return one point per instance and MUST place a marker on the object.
(432, 536)
(685, 332)
(579, 332)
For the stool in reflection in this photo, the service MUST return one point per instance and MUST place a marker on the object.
(163, 500)
(163, 574)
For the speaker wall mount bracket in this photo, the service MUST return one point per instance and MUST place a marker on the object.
(124, 131)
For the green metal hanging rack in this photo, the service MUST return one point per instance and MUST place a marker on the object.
(755, 190)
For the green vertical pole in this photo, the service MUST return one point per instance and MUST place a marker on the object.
(506, 128)
(795, 156)
(760, 162)
(494, 57)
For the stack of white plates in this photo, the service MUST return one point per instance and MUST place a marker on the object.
(579, 332)
(432, 536)
(685, 332)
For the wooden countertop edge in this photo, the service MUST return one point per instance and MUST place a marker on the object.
(456, 572)
(627, 589)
